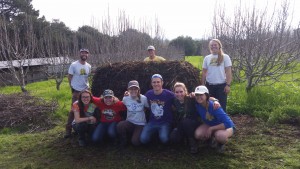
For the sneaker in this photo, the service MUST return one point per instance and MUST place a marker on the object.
(81, 143)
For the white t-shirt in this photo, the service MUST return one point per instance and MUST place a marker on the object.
(216, 74)
(80, 74)
(135, 110)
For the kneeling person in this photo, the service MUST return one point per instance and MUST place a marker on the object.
(160, 121)
(85, 116)
(136, 119)
(218, 126)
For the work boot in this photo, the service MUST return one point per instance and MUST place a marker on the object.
(68, 133)
(193, 145)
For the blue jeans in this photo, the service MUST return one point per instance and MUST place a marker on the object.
(104, 128)
(150, 129)
(217, 91)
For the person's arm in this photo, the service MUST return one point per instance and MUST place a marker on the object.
(216, 104)
(203, 77)
(79, 119)
(228, 79)
(70, 79)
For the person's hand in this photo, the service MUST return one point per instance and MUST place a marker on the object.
(216, 105)
(92, 119)
(192, 95)
(208, 133)
(126, 93)
(227, 89)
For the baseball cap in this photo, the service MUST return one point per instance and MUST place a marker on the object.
(157, 76)
(133, 83)
(84, 50)
(201, 90)
(108, 92)
(151, 48)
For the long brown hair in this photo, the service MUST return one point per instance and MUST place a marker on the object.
(220, 53)
(81, 104)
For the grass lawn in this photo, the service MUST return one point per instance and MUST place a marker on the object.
(254, 145)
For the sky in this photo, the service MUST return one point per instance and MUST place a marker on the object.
(175, 17)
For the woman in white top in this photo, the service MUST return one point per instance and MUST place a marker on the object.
(136, 118)
(216, 72)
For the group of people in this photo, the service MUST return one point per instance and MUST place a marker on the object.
(169, 116)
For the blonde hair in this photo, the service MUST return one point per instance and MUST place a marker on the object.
(220, 53)
(179, 84)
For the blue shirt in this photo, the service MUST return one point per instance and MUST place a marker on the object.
(160, 106)
(213, 117)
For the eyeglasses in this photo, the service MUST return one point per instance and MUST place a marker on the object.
(85, 97)
(108, 97)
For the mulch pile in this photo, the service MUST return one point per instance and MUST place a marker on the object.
(25, 112)
(117, 75)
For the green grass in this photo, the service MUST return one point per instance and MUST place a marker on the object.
(273, 103)
(195, 61)
(254, 145)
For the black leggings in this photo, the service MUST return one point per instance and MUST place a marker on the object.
(186, 128)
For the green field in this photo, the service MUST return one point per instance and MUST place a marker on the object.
(260, 142)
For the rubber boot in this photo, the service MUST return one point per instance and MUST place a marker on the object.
(193, 145)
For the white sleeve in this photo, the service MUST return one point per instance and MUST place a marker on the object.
(227, 61)
(71, 70)
(204, 65)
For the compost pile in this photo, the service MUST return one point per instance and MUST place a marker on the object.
(26, 113)
(117, 75)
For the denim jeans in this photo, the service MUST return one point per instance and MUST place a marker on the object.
(104, 128)
(150, 129)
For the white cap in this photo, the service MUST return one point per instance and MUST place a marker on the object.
(151, 48)
(201, 90)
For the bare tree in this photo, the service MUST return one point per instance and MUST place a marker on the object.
(55, 50)
(263, 46)
(17, 47)
(129, 40)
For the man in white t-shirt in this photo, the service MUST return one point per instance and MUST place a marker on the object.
(216, 72)
(79, 72)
